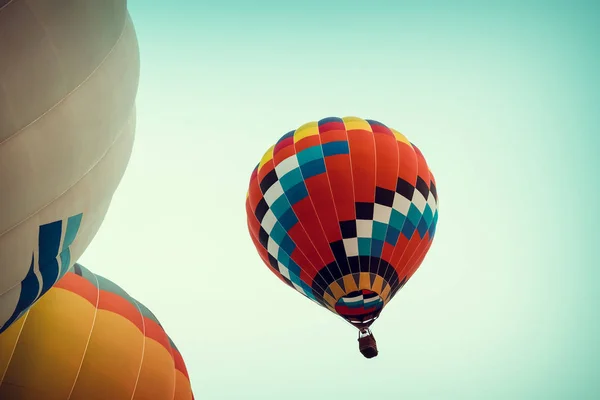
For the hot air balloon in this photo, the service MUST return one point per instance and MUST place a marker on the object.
(68, 82)
(343, 210)
(87, 339)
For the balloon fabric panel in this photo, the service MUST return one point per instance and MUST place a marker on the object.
(343, 210)
(54, 241)
(69, 80)
(90, 340)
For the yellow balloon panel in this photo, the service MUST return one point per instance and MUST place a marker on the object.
(107, 358)
(68, 83)
(86, 339)
(41, 341)
(183, 390)
(154, 380)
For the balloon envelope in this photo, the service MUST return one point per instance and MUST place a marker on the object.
(343, 210)
(68, 81)
(87, 339)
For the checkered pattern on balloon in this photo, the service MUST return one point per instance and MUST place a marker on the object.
(343, 210)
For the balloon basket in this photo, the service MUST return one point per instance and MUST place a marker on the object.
(368, 346)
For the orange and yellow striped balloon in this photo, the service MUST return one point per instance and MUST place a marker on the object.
(87, 339)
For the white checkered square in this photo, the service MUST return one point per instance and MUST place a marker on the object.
(401, 204)
(274, 192)
(284, 271)
(272, 247)
(269, 221)
(431, 202)
(419, 201)
(287, 165)
(364, 228)
(382, 213)
(351, 246)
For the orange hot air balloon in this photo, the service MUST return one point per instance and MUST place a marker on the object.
(68, 83)
(87, 339)
(344, 210)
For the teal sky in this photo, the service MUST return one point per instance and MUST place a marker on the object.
(504, 102)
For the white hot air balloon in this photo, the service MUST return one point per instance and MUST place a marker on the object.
(69, 73)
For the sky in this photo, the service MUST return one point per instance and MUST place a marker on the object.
(501, 97)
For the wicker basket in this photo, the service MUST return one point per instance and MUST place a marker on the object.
(368, 346)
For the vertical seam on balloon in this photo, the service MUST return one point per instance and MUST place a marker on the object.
(403, 268)
(62, 99)
(336, 213)
(353, 189)
(406, 268)
(14, 348)
(292, 273)
(423, 245)
(280, 248)
(353, 204)
(174, 367)
(307, 235)
(137, 306)
(299, 222)
(423, 251)
(334, 207)
(390, 218)
(300, 266)
(89, 336)
(418, 260)
(317, 214)
(403, 223)
(374, 197)
(257, 243)
(118, 137)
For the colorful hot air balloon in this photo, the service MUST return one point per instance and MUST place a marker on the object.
(68, 81)
(343, 210)
(87, 339)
